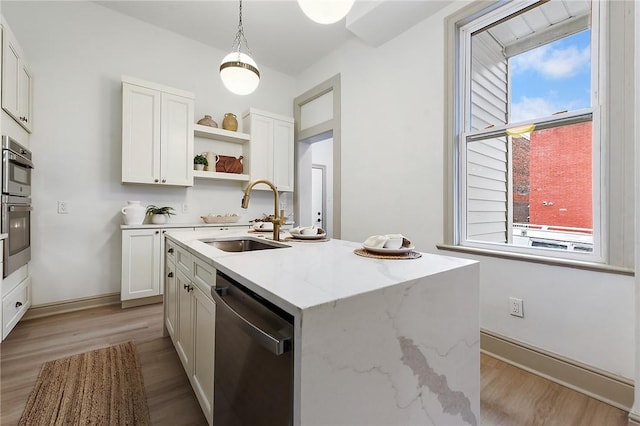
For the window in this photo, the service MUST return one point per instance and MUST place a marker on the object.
(532, 90)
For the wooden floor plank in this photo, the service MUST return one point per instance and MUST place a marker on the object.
(509, 396)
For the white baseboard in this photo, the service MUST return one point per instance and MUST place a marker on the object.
(634, 419)
(55, 308)
(601, 385)
(141, 302)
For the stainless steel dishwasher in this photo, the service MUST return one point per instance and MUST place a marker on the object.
(253, 373)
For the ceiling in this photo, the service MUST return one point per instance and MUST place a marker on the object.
(279, 35)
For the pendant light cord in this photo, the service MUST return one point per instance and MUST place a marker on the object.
(240, 37)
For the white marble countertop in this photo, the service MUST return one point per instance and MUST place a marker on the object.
(186, 225)
(243, 224)
(312, 273)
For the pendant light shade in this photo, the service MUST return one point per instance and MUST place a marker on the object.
(326, 11)
(238, 71)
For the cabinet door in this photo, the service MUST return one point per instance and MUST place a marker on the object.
(171, 300)
(176, 150)
(140, 263)
(204, 317)
(140, 134)
(184, 344)
(283, 158)
(25, 100)
(271, 149)
(261, 164)
(10, 73)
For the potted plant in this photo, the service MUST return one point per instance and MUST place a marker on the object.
(200, 161)
(159, 214)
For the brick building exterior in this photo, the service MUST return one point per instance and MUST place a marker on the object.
(560, 180)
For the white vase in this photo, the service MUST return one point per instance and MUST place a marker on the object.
(133, 213)
(212, 159)
(159, 218)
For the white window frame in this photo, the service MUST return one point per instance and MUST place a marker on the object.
(613, 223)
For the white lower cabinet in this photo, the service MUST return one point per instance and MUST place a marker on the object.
(16, 297)
(189, 317)
(15, 305)
(142, 262)
(204, 327)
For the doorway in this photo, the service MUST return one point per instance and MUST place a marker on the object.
(318, 195)
(318, 129)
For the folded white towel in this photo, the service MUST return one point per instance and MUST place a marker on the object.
(298, 230)
(379, 241)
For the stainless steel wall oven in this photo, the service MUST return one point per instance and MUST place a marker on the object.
(16, 168)
(15, 209)
(16, 222)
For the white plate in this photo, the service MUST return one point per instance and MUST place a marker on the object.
(308, 237)
(261, 230)
(382, 250)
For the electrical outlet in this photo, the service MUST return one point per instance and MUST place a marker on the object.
(63, 207)
(185, 208)
(515, 307)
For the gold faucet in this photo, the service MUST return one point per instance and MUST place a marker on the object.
(278, 217)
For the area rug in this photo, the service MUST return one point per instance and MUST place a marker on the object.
(101, 387)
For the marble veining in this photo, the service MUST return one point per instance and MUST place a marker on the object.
(453, 402)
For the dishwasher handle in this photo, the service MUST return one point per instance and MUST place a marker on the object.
(277, 345)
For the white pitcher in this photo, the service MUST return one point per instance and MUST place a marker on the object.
(133, 213)
(212, 159)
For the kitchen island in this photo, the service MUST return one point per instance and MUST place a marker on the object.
(377, 342)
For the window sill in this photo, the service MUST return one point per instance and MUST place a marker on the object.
(589, 266)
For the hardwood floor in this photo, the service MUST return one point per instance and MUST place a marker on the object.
(512, 396)
(509, 395)
(169, 395)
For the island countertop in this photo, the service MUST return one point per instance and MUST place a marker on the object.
(376, 342)
(307, 273)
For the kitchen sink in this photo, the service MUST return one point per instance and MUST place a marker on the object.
(243, 244)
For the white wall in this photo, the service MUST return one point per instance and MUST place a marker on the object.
(392, 181)
(78, 52)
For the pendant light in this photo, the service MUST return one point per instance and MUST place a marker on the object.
(325, 11)
(238, 71)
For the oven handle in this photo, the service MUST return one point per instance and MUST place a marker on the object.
(19, 208)
(19, 159)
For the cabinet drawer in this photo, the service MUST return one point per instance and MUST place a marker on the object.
(14, 305)
(183, 260)
(204, 275)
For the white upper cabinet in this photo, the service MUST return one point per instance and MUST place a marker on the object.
(271, 149)
(17, 80)
(157, 134)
